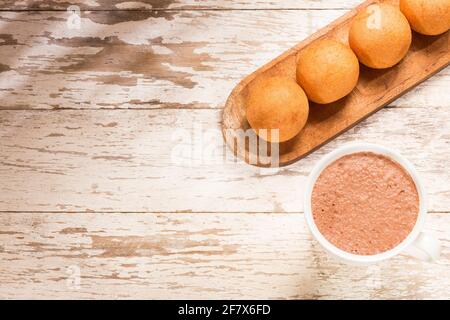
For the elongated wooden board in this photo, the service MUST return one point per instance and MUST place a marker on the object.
(375, 89)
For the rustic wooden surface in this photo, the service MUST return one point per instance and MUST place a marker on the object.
(89, 184)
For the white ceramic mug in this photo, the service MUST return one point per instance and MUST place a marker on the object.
(417, 244)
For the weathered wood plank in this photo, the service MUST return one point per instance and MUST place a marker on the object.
(173, 256)
(173, 160)
(175, 4)
(170, 59)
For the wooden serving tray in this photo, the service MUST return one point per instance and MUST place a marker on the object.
(375, 89)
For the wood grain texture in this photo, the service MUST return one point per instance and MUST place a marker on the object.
(188, 256)
(176, 4)
(174, 160)
(98, 189)
(374, 90)
(152, 60)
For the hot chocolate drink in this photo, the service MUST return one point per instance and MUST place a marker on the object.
(365, 203)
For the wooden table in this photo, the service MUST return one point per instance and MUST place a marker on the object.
(105, 194)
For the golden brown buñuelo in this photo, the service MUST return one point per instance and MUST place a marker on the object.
(276, 103)
(327, 70)
(380, 36)
(428, 17)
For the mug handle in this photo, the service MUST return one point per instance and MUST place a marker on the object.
(425, 248)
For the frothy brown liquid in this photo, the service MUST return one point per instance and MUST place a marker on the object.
(365, 203)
